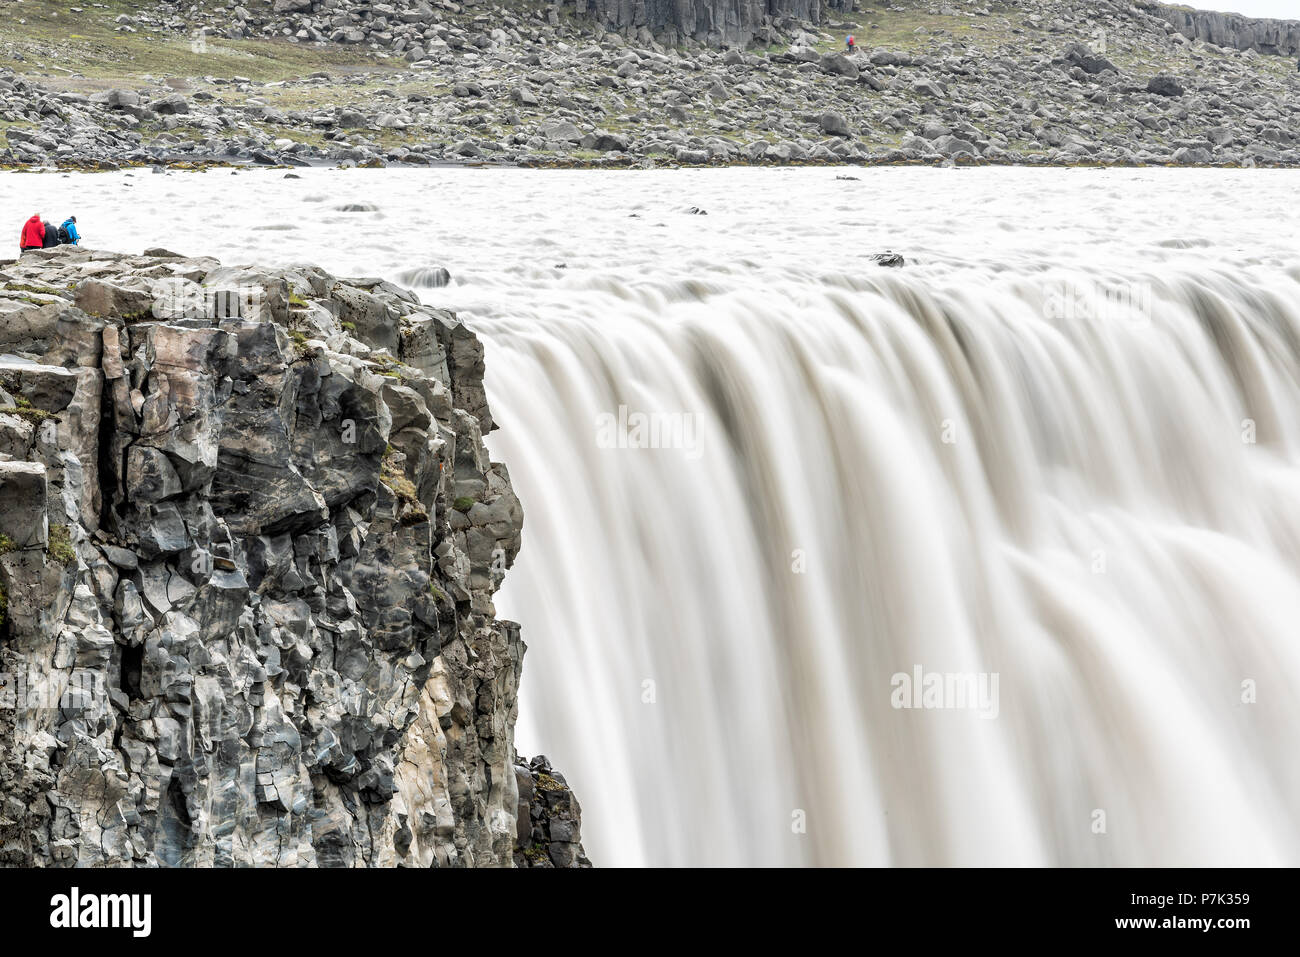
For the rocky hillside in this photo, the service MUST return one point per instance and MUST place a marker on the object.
(249, 539)
(415, 82)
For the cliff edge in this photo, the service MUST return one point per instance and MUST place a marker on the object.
(249, 539)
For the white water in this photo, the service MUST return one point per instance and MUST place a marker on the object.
(1097, 533)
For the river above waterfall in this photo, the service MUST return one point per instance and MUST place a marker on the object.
(990, 559)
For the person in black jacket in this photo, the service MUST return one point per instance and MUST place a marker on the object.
(51, 235)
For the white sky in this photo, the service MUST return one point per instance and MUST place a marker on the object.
(1281, 9)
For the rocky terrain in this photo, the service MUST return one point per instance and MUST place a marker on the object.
(416, 82)
(249, 539)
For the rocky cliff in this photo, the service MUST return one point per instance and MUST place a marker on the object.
(1232, 30)
(550, 819)
(708, 21)
(250, 539)
(714, 22)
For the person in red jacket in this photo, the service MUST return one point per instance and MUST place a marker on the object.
(33, 234)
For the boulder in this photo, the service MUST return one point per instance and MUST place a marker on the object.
(1080, 55)
(834, 123)
(839, 65)
(170, 105)
(1164, 85)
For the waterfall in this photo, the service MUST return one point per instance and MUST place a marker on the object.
(1090, 499)
(1059, 447)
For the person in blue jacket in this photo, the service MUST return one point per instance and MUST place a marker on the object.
(70, 228)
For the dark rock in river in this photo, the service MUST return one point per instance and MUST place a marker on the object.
(426, 277)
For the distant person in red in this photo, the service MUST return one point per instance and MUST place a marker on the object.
(848, 42)
(33, 234)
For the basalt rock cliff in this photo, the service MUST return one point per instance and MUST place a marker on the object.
(250, 536)
(1232, 30)
(708, 21)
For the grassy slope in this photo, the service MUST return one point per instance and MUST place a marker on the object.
(54, 42)
(915, 31)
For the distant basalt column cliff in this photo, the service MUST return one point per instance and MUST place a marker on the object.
(1233, 30)
(709, 21)
(249, 538)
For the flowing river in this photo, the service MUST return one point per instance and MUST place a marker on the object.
(991, 559)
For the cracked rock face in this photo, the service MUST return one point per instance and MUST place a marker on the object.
(1232, 30)
(250, 537)
(710, 21)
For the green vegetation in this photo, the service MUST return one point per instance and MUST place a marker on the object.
(463, 504)
(299, 343)
(392, 475)
(7, 544)
(389, 366)
(27, 287)
(547, 783)
(60, 547)
(24, 409)
(915, 29)
(90, 44)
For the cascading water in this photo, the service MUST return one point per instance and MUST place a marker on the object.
(887, 476)
(1058, 454)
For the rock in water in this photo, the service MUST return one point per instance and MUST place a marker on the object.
(251, 539)
(889, 259)
(426, 277)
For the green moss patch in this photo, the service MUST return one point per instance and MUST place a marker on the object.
(59, 547)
